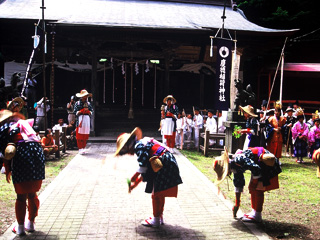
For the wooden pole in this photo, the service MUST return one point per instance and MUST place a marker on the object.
(44, 65)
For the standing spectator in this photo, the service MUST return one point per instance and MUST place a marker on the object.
(252, 128)
(70, 110)
(290, 121)
(274, 128)
(180, 127)
(24, 162)
(31, 92)
(188, 130)
(264, 110)
(220, 119)
(48, 144)
(300, 132)
(211, 125)
(83, 111)
(157, 166)
(40, 120)
(310, 122)
(59, 126)
(314, 135)
(197, 125)
(169, 129)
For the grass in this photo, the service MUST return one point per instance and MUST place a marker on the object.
(8, 195)
(290, 212)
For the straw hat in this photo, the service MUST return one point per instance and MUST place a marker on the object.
(83, 93)
(5, 114)
(18, 101)
(124, 137)
(249, 109)
(221, 166)
(169, 96)
(268, 159)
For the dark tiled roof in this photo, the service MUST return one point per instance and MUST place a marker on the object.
(131, 14)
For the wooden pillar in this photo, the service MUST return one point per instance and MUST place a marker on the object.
(201, 94)
(167, 75)
(94, 90)
(130, 114)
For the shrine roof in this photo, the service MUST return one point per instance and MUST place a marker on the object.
(132, 14)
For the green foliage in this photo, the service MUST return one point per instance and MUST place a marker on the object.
(285, 14)
(236, 131)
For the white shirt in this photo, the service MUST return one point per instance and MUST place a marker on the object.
(40, 108)
(211, 125)
(198, 123)
(59, 127)
(189, 125)
(180, 124)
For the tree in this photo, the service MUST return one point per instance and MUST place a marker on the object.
(284, 14)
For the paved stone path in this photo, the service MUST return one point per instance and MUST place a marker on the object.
(89, 199)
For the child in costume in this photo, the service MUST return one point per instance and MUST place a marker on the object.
(264, 167)
(24, 162)
(314, 134)
(83, 111)
(180, 127)
(252, 127)
(157, 167)
(197, 125)
(274, 128)
(300, 132)
(188, 131)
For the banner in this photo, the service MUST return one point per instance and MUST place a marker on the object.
(223, 67)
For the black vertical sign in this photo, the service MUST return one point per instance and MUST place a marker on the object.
(223, 67)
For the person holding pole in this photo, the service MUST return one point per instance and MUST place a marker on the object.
(290, 120)
(274, 128)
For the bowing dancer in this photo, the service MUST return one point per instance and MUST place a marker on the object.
(264, 168)
(169, 125)
(83, 111)
(24, 163)
(157, 167)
